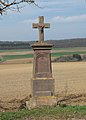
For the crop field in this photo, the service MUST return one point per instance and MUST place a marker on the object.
(15, 79)
(11, 55)
(16, 72)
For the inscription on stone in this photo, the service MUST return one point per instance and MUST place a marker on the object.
(43, 63)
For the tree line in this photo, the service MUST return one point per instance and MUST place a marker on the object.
(68, 43)
(8, 45)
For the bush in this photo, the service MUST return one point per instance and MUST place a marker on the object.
(77, 56)
(68, 58)
(1, 58)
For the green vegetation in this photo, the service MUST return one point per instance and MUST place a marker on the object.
(77, 56)
(59, 112)
(15, 50)
(71, 48)
(66, 53)
(22, 50)
(1, 59)
(10, 57)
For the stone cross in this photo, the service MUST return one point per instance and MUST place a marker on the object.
(41, 25)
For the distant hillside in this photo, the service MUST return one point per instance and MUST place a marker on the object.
(8, 45)
(81, 42)
(67, 43)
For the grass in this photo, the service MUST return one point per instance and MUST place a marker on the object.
(16, 50)
(10, 57)
(22, 50)
(61, 112)
(72, 48)
(66, 53)
(1, 59)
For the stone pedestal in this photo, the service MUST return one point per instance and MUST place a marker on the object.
(42, 81)
(41, 101)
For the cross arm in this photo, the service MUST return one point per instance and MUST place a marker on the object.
(34, 25)
(47, 25)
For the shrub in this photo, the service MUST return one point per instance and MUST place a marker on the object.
(77, 56)
(1, 58)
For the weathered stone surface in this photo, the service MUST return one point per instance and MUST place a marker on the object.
(43, 93)
(41, 25)
(49, 100)
(42, 64)
(42, 82)
(41, 101)
(43, 87)
(31, 103)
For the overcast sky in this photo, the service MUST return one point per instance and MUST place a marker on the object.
(67, 19)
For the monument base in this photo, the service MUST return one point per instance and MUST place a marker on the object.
(41, 101)
(43, 87)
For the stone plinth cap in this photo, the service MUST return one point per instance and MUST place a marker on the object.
(42, 46)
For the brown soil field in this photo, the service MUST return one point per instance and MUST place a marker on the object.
(15, 84)
(15, 79)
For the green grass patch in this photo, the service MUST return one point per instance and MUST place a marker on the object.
(22, 50)
(65, 53)
(7, 57)
(1, 59)
(11, 57)
(61, 112)
(72, 48)
(16, 50)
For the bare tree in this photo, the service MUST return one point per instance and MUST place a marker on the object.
(5, 5)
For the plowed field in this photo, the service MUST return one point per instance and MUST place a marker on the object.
(15, 79)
